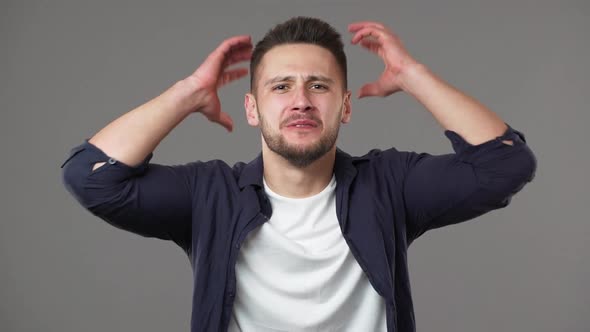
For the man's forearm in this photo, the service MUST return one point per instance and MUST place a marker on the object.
(452, 109)
(131, 137)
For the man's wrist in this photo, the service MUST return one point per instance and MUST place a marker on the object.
(411, 75)
(187, 95)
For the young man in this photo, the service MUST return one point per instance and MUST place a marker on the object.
(304, 237)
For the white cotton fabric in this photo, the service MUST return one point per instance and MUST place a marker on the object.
(296, 273)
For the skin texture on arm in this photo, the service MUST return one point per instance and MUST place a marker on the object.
(452, 109)
(131, 137)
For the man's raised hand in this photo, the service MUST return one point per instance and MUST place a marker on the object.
(378, 39)
(214, 73)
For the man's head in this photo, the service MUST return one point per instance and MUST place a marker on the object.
(300, 30)
(298, 89)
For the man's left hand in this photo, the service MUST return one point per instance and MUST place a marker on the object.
(380, 40)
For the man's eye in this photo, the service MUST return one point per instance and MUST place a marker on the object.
(280, 87)
(319, 87)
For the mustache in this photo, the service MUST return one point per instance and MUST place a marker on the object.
(296, 117)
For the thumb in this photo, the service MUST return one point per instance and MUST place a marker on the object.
(369, 89)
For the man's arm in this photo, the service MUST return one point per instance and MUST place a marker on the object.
(491, 161)
(110, 176)
(134, 135)
(454, 110)
(441, 190)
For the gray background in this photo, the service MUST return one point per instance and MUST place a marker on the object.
(69, 67)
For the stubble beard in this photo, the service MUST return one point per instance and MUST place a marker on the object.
(298, 156)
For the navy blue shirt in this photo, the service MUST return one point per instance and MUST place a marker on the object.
(384, 201)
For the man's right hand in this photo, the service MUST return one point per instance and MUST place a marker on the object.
(214, 73)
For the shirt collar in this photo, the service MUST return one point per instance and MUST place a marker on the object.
(344, 169)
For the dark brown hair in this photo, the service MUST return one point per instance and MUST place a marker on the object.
(300, 30)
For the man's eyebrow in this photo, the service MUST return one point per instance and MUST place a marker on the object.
(308, 78)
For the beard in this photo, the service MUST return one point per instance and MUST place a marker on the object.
(297, 155)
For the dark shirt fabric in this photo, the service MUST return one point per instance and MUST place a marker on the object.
(384, 201)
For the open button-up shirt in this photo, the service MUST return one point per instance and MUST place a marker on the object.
(384, 201)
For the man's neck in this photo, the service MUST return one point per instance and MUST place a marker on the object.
(295, 182)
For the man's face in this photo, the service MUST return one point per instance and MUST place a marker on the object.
(299, 102)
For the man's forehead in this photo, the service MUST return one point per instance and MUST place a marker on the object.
(293, 60)
(298, 51)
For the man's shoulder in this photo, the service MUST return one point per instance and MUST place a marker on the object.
(371, 166)
(238, 167)
(214, 173)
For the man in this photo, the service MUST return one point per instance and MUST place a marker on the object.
(304, 237)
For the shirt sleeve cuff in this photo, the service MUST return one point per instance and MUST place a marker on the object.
(467, 152)
(91, 155)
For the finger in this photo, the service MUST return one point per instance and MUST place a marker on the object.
(231, 75)
(226, 121)
(371, 45)
(368, 32)
(234, 42)
(356, 26)
(218, 56)
(243, 54)
(370, 89)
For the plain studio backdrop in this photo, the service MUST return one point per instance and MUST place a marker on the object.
(68, 68)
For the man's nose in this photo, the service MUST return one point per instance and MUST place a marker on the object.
(301, 100)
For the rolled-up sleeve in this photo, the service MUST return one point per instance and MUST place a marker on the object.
(447, 189)
(149, 199)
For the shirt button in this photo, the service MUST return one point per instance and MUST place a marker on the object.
(112, 161)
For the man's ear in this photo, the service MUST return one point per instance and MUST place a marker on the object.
(251, 111)
(346, 108)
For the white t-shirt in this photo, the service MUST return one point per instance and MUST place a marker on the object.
(296, 273)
